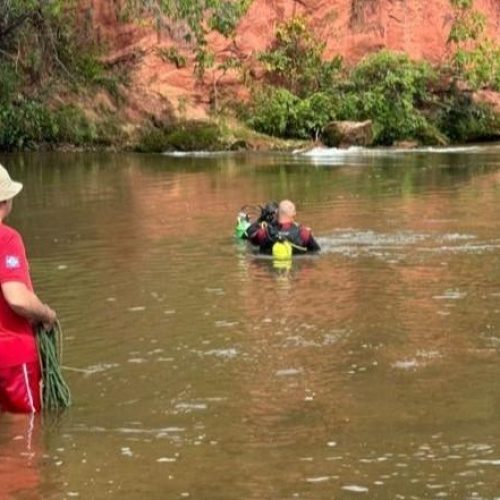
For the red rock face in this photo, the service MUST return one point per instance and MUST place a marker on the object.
(354, 28)
(351, 28)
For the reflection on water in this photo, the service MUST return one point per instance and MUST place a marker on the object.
(202, 370)
(20, 456)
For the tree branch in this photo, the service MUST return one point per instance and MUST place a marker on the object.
(15, 24)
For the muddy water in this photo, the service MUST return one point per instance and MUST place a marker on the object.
(201, 371)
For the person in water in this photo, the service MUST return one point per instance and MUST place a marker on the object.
(20, 311)
(278, 234)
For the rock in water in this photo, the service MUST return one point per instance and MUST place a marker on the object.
(345, 133)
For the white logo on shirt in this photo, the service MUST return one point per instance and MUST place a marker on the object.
(12, 262)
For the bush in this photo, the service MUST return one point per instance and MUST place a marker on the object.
(24, 124)
(27, 124)
(393, 92)
(477, 58)
(109, 132)
(462, 120)
(272, 111)
(479, 66)
(194, 136)
(152, 140)
(279, 113)
(71, 126)
(9, 81)
(185, 136)
(385, 87)
(295, 60)
(226, 15)
(311, 115)
(173, 56)
(389, 89)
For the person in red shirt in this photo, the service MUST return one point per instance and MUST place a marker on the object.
(265, 234)
(20, 311)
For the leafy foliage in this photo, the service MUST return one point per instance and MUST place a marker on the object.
(480, 65)
(295, 61)
(226, 15)
(41, 33)
(181, 136)
(463, 120)
(272, 111)
(198, 16)
(9, 81)
(385, 87)
(220, 15)
(462, 4)
(43, 39)
(389, 89)
(476, 58)
(204, 59)
(25, 124)
(174, 56)
(467, 26)
(280, 113)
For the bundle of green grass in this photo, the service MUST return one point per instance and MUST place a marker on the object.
(55, 393)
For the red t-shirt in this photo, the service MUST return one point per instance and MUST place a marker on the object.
(17, 339)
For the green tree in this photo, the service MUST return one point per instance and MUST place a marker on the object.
(390, 89)
(476, 58)
(278, 112)
(40, 32)
(295, 60)
(220, 15)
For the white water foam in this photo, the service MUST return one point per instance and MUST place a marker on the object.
(321, 152)
(197, 154)
(354, 488)
(393, 247)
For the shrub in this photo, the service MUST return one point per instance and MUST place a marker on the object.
(174, 56)
(109, 132)
(476, 58)
(226, 15)
(295, 60)
(194, 136)
(466, 27)
(184, 136)
(71, 126)
(480, 66)
(24, 124)
(204, 59)
(462, 120)
(278, 112)
(9, 81)
(27, 124)
(152, 140)
(311, 115)
(273, 110)
(389, 89)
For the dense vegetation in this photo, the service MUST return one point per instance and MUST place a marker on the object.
(404, 99)
(49, 63)
(42, 55)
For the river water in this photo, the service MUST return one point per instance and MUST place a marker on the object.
(199, 370)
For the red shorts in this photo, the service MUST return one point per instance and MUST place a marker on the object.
(20, 388)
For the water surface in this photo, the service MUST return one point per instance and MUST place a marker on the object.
(201, 371)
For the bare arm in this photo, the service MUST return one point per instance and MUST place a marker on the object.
(25, 303)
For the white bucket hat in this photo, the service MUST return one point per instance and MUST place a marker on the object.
(8, 187)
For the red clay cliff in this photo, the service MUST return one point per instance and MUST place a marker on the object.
(351, 28)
